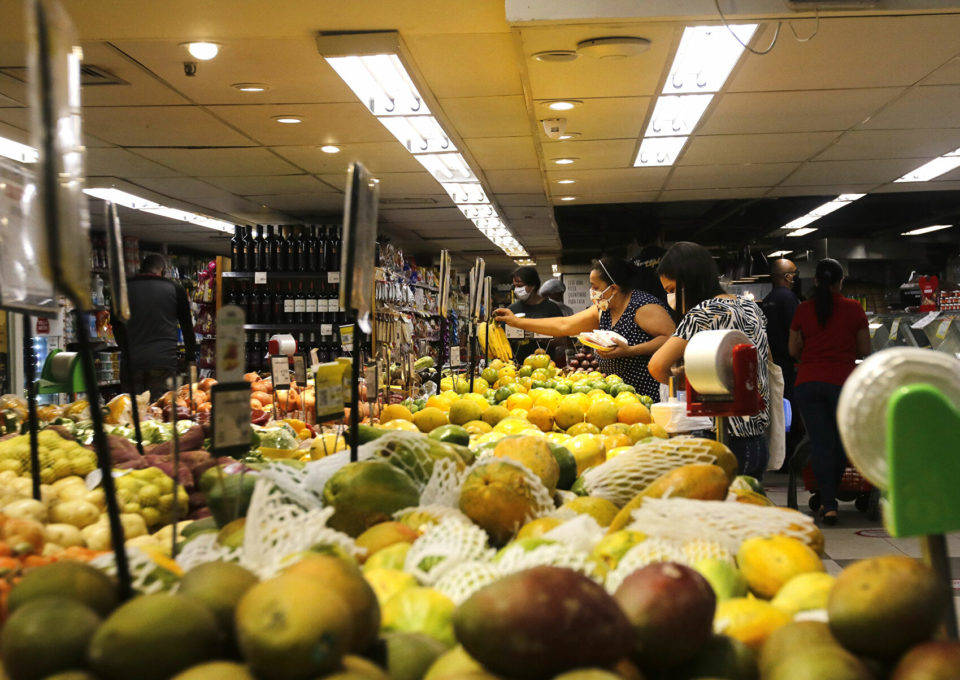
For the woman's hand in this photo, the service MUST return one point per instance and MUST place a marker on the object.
(505, 316)
(621, 349)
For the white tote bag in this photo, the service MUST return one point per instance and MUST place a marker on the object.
(777, 426)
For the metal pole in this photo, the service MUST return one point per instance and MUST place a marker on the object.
(935, 556)
(30, 368)
(355, 394)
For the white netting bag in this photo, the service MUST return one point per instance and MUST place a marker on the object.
(318, 472)
(516, 558)
(413, 453)
(543, 504)
(293, 482)
(146, 578)
(648, 551)
(443, 546)
(728, 524)
(621, 478)
(277, 527)
(205, 548)
(702, 548)
(443, 488)
(434, 513)
(466, 578)
(582, 532)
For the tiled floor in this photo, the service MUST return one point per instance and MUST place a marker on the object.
(856, 537)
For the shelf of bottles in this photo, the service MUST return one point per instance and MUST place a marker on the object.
(287, 279)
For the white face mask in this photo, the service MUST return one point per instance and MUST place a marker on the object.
(672, 300)
(521, 292)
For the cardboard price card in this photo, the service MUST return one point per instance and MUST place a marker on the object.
(280, 369)
(230, 418)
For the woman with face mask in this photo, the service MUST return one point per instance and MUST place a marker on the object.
(636, 315)
(692, 281)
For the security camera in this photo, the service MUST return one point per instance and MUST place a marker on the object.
(554, 127)
(189, 68)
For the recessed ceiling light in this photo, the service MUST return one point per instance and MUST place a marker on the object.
(563, 104)
(568, 135)
(566, 181)
(288, 120)
(564, 161)
(204, 51)
(568, 198)
(330, 148)
(251, 87)
(555, 55)
(926, 230)
(618, 47)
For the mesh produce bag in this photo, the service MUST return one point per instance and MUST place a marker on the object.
(443, 487)
(543, 504)
(620, 479)
(205, 548)
(413, 453)
(728, 524)
(516, 558)
(466, 578)
(443, 546)
(648, 551)
(292, 481)
(581, 532)
(146, 578)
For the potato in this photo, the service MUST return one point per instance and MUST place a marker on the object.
(78, 513)
(67, 481)
(98, 498)
(26, 508)
(97, 536)
(7, 476)
(73, 492)
(133, 525)
(65, 535)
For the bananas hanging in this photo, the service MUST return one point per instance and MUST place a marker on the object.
(494, 334)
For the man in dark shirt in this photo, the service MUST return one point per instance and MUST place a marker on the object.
(779, 307)
(526, 288)
(157, 307)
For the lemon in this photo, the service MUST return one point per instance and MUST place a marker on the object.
(768, 562)
(804, 592)
(748, 620)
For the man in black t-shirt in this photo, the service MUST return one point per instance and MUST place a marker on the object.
(779, 307)
(526, 288)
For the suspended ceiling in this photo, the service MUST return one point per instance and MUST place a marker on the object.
(867, 99)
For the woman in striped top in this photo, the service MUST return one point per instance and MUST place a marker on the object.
(692, 281)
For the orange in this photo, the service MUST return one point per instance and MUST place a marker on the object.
(437, 402)
(519, 400)
(395, 412)
(602, 412)
(613, 441)
(542, 417)
(633, 412)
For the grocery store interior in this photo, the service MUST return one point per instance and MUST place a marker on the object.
(230, 138)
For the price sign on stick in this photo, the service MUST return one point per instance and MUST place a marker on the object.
(329, 391)
(300, 369)
(230, 419)
(280, 370)
(231, 358)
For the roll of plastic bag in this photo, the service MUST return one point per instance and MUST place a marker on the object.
(708, 360)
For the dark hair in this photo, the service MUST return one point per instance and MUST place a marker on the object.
(152, 263)
(829, 273)
(528, 275)
(615, 271)
(693, 268)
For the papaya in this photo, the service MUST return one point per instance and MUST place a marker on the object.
(367, 492)
(699, 481)
(366, 433)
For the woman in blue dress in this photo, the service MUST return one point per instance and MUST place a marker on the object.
(639, 317)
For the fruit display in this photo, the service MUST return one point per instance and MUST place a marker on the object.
(493, 341)
(585, 359)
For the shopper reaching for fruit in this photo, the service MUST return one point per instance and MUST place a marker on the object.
(636, 315)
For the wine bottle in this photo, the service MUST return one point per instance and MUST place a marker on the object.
(333, 250)
(336, 342)
(313, 250)
(249, 349)
(310, 307)
(279, 262)
(249, 250)
(236, 249)
(271, 242)
(291, 249)
(300, 305)
(265, 300)
(243, 300)
(277, 305)
(322, 249)
(261, 257)
(289, 305)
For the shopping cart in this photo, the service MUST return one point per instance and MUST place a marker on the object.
(853, 487)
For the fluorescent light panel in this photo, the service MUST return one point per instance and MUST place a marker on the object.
(938, 166)
(464, 193)
(419, 134)
(822, 210)
(658, 151)
(144, 205)
(926, 230)
(779, 253)
(802, 232)
(674, 116)
(381, 82)
(21, 153)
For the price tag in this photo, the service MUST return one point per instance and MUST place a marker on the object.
(230, 418)
(926, 320)
(326, 329)
(280, 369)
(943, 328)
(259, 277)
(894, 328)
(333, 277)
(300, 369)
(329, 391)
(513, 333)
(542, 336)
(230, 358)
(454, 356)
(346, 338)
(370, 376)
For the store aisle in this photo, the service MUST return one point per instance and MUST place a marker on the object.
(856, 537)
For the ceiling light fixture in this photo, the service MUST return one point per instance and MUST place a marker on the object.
(568, 135)
(802, 232)
(704, 60)
(568, 198)
(566, 181)
(251, 87)
(563, 104)
(15, 151)
(564, 161)
(555, 56)
(370, 65)
(822, 210)
(144, 205)
(204, 51)
(938, 166)
(926, 230)
(288, 119)
(615, 47)
(526, 263)
(330, 148)
(779, 253)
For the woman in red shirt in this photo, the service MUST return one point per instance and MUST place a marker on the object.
(827, 335)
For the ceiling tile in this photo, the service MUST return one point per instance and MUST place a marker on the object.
(829, 191)
(754, 148)
(292, 67)
(487, 116)
(113, 162)
(948, 74)
(503, 153)
(272, 184)
(881, 144)
(159, 126)
(905, 187)
(505, 199)
(851, 52)
(525, 181)
(378, 157)
(932, 106)
(398, 183)
(220, 162)
(601, 118)
(485, 64)
(421, 215)
(589, 77)
(16, 116)
(519, 213)
(593, 155)
(302, 202)
(143, 88)
(810, 111)
(709, 194)
(612, 197)
(728, 176)
(183, 187)
(322, 123)
(851, 172)
(589, 182)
